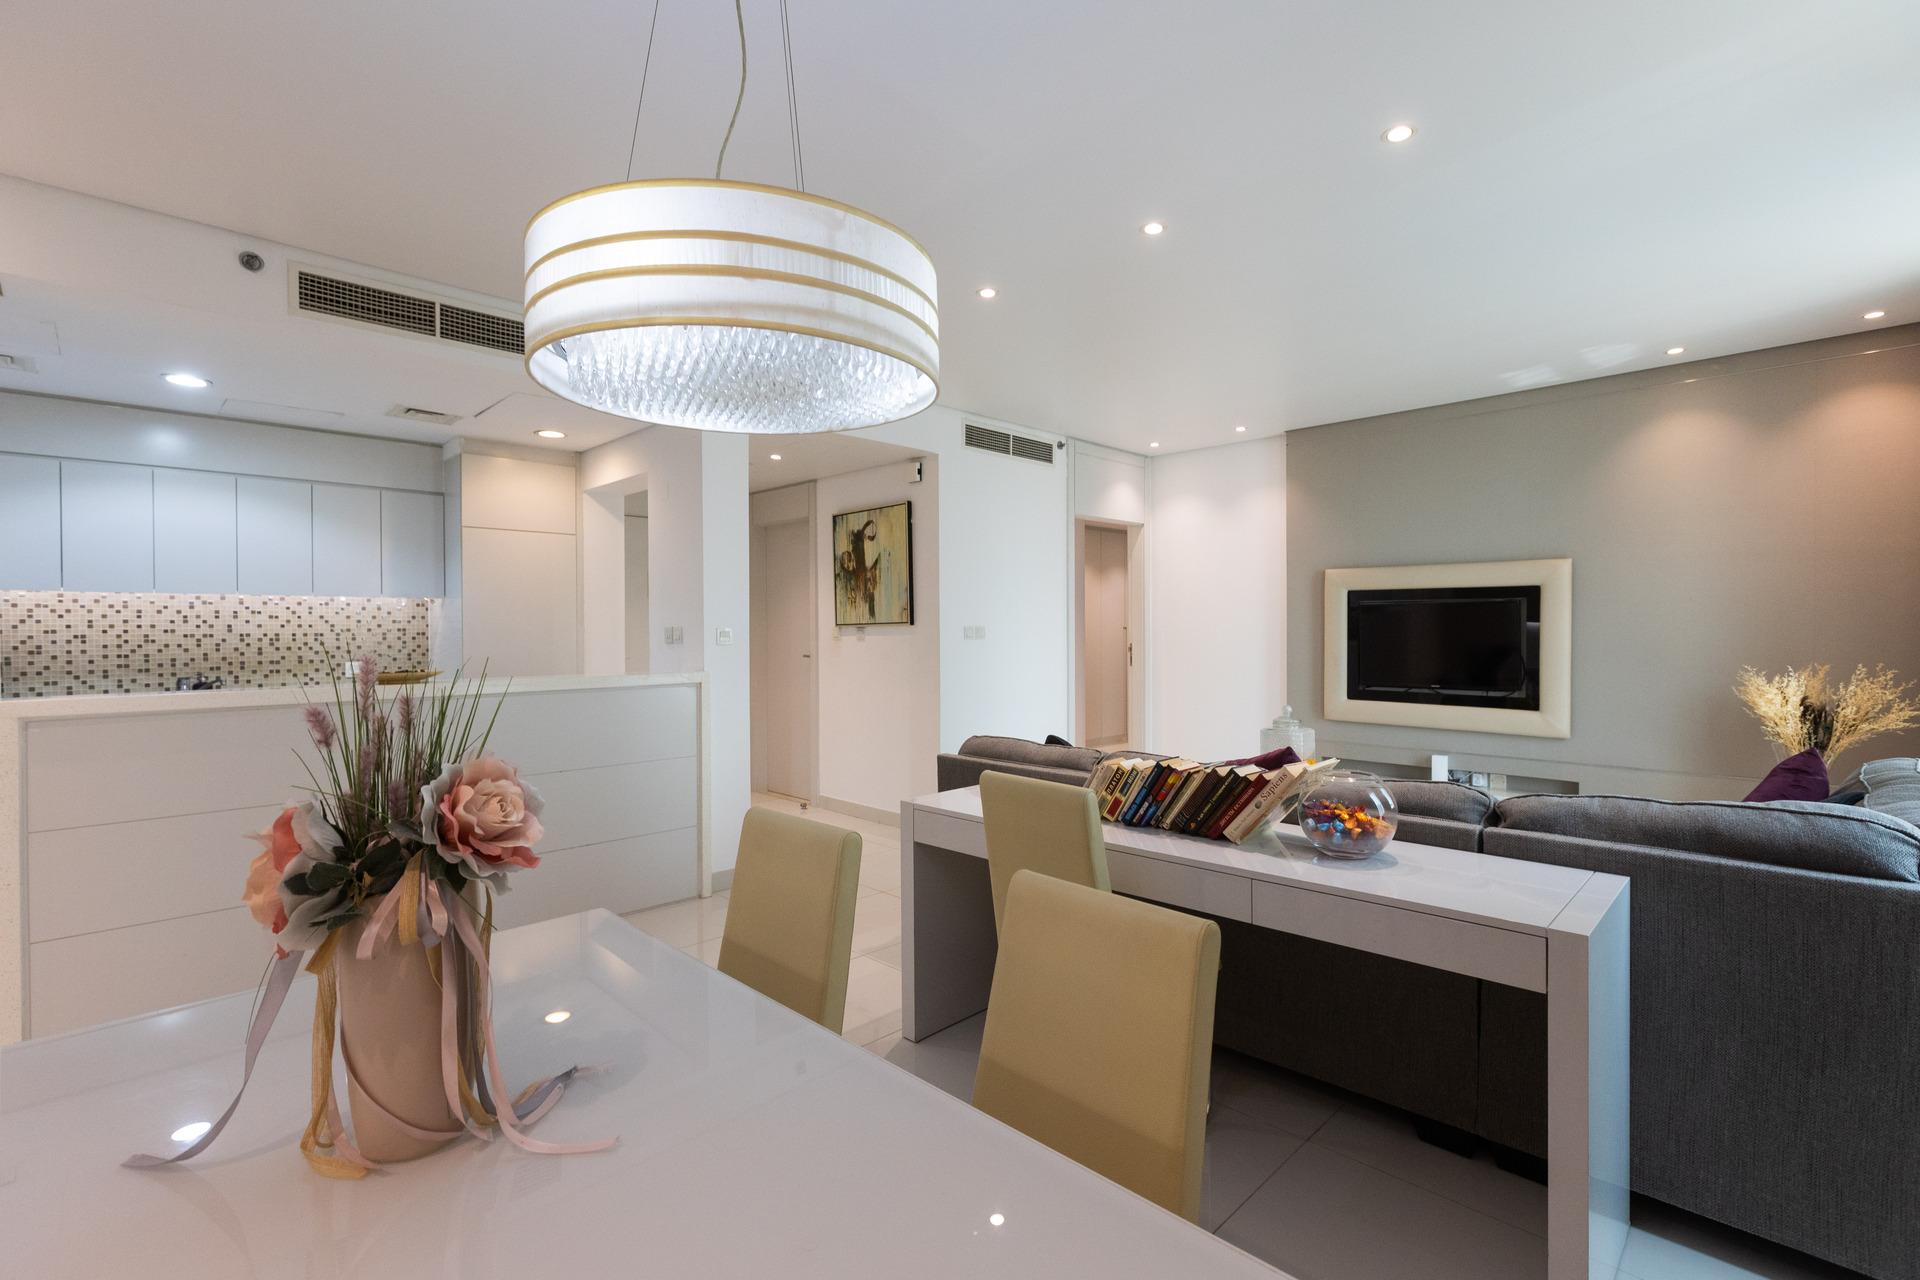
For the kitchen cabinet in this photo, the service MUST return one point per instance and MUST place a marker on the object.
(29, 523)
(346, 540)
(412, 543)
(106, 526)
(194, 532)
(276, 537)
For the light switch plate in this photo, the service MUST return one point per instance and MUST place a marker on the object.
(723, 635)
(676, 635)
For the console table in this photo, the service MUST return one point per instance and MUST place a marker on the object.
(1557, 930)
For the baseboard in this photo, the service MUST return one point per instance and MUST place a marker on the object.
(882, 816)
(722, 880)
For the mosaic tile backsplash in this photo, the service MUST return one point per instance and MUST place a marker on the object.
(54, 643)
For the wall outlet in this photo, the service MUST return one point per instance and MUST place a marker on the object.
(1480, 780)
(676, 635)
(973, 631)
(1497, 781)
(723, 635)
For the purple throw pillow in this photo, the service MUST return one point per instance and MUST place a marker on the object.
(1285, 755)
(1798, 777)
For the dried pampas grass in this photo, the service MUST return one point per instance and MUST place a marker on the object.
(1803, 711)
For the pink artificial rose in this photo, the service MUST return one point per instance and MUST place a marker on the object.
(484, 818)
(278, 845)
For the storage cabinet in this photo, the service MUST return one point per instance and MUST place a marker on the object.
(412, 544)
(276, 537)
(29, 523)
(194, 535)
(106, 526)
(346, 540)
(79, 525)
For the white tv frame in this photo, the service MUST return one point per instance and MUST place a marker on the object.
(1554, 719)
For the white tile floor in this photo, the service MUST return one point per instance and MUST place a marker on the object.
(1321, 1183)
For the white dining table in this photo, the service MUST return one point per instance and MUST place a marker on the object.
(752, 1143)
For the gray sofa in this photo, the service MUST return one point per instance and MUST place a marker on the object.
(1775, 996)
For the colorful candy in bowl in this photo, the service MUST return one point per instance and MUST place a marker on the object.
(1348, 815)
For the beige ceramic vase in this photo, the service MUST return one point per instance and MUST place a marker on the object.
(390, 1040)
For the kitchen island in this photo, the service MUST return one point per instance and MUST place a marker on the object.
(123, 825)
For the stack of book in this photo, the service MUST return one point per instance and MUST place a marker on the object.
(1213, 801)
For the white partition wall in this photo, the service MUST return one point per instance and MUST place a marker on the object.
(124, 821)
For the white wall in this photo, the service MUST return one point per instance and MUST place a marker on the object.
(637, 631)
(1217, 598)
(880, 686)
(518, 564)
(1006, 564)
(696, 486)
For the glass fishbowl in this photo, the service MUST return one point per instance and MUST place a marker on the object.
(1348, 815)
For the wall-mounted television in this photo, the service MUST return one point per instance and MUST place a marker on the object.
(1447, 646)
(1486, 647)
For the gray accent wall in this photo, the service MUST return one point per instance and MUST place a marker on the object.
(1761, 509)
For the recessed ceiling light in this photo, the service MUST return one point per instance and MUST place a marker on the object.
(1674, 351)
(191, 1132)
(1398, 133)
(1873, 315)
(559, 1016)
(551, 434)
(996, 1219)
(773, 457)
(1153, 444)
(989, 292)
(192, 381)
(1154, 228)
(1240, 429)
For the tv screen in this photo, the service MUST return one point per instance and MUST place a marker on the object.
(1452, 646)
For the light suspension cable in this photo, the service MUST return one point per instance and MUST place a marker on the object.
(739, 18)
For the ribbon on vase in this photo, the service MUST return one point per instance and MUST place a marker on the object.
(415, 910)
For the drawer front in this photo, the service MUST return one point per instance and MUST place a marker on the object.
(1481, 951)
(1192, 888)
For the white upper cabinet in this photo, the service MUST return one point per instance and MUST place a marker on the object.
(346, 540)
(194, 537)
(29, 523)
(412, 544)
(276, 537)
(106, 526)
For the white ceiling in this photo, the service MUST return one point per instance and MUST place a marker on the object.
(1590, 184)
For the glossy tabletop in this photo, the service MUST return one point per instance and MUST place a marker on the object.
(752, 1144)
(1530, 897)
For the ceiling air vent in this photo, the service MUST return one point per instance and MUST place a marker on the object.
(415, 313)
(19, 364)
(498, 333)
(412, 414)
(994, 440)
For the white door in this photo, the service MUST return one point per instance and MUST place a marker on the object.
(1104, 661)
(784, 704)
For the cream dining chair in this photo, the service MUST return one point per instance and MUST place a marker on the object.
(1099, 1035)
(1048, 827)
(789, 930)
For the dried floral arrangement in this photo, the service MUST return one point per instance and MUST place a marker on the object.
(1803, 710)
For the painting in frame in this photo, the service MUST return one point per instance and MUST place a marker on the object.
(873, 567)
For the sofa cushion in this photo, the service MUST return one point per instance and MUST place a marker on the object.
(1453, 801)
(1783, 833)
(1893, 787)
(1801, 776)
(1020, 751)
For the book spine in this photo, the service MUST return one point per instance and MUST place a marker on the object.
(1230, 786)
(1231, 810)
(1143, 794)
(1202, 797)
(1254, 816)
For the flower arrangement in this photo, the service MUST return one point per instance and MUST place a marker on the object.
(404, 788)
(386, 875)
(1802, 710)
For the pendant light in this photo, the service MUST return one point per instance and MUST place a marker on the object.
(730, 306)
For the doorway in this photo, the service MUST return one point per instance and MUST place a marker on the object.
(783, 659)
(1106, 643)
